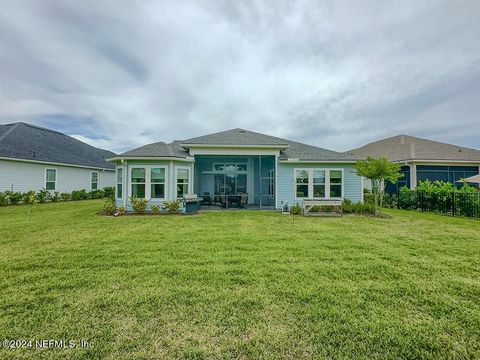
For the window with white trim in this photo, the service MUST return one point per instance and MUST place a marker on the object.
(318, 183)
(157, 183)
(182, 182)
(119, 183)
(50, 179)
(138, 182)
(94, 181)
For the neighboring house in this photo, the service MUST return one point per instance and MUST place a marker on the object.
(423, 159)
(35, 158)
(225, 165)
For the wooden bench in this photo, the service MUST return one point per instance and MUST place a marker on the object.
(308, 204)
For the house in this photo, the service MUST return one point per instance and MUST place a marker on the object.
(35, 158)
(423, 159)
(236, 168)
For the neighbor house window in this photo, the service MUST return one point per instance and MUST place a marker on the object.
(119, 182)
(138, 182)
(50, 179)
(335, 183)
(318, 183)
(94, 181)
(182, 182)
(157, 180)
(301, 183)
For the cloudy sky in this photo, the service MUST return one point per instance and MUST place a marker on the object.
(336, 74)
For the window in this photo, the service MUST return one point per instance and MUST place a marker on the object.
(182, 182)
(157, 183)
(335, 183)
(50, 179)
(301, 180)
(94, 181)
(316, 183)
(119, 183)
(138, 182)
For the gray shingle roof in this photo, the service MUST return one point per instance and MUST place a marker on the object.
(30, 142)
(158, 149)
(404, 147)
(237, 137)
(291, 149)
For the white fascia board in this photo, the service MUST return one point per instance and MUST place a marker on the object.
(444, 162)
(286, 146)
(119, 158)
(298, 161)
(55, 163)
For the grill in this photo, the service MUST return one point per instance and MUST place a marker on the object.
(192, 203)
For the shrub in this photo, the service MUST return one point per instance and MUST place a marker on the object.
(96, 194)
(172, 207)
(296, 209)
(357, 208)
(29, 197)
(138, 204)
(109, 192)
(79, 195)
(14, 197)
(3, 199)
(43, 196)
(369, 198)
(65, 196)
(155, 209)
(109, 208)
(121, 210)
(55, 197)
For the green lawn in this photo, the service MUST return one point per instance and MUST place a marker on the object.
(244, 284)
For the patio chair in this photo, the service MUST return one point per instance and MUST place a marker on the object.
(223, 202)
(207, 200)
(244, 201)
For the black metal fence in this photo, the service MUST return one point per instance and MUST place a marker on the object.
(447, 203)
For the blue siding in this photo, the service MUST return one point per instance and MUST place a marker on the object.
(286, 190)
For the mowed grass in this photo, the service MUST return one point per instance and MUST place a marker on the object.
(239, 284)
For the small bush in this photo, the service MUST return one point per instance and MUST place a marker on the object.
(29, 197)
(357, 208)
(43, 196)
(138, 204)
(155, 209)
(109, 192)
(96, 194)
(121, 210)
(79, 195)
(14, 197)
(3, 199)
(65, 196)
(109, 208)
(296, 209)
(55, 197)
(369, 198)
(172, 207)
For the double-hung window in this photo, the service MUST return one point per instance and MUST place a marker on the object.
(119, 183)
(138, 182)
(94, 181)
(182, 182)
(157, 183)
(50, 179)
(318, 183)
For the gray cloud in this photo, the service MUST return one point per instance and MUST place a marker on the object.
(334, 74)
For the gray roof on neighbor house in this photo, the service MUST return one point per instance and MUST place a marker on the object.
(30, 142)
(407, 148)
(240, 137)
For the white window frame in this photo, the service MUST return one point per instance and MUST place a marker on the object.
(310, 183)
(189, 179)
(98, 180)
(140, 183)
(56, 178)
(119, 171)
(148, 182)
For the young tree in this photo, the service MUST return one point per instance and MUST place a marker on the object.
(379, 171)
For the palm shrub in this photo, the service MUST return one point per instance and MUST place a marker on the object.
(14, 197)
(65, 196)
(109, 208)
(121, 210)
(139, 205)
(296, 209)
(96, 194)
(55, 197)
(3, 199)
(173, 207)
(43, 196)
(79, 195)
(109, 192)
(155, 209)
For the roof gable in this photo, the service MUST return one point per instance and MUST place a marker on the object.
(237, 137)
(29, 142)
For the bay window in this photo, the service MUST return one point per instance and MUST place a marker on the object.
(318, 183)
(138, 182)
(119, 182)
(157, 183)
(182, 182)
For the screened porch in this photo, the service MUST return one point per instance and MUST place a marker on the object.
(235, 182)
